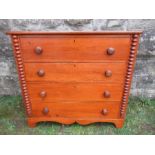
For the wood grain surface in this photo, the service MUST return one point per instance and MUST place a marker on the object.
(78, 72)
(74, 91)
(77, 110)
(73, 49)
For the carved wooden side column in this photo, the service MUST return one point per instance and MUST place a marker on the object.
(20, 67)
(130, 69)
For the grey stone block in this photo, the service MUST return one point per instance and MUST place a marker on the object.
(6, 51)
(143, 24)
(4, 39)
(147, 43)
(7, 68)
(25, 24)
(79, 22)
(144, 78)
(99, 24)
(9, 85)
(114, 23)
(119, 24)
(49, 24)
(4, 25)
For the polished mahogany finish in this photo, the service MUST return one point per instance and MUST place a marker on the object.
(81, 77)
(77, 109)
(77, 72)
(75, 91)
(75, 48)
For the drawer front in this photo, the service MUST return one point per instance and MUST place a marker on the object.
(60, 91)
(80, 110)
(75, 48)
(107, 72)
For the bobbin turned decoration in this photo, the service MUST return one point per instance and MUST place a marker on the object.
(131, 60)
(20, 67)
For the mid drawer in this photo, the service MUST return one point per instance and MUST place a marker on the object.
(75, 110)
(78, 72)
(75, 48)
(52, 91)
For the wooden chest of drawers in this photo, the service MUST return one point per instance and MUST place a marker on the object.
(81, 77)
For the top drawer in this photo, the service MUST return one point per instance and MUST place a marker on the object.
(74, 48)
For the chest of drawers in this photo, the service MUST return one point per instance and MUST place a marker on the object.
(75, 77)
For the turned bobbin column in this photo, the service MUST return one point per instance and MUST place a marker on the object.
(19, 63)
(133, 51)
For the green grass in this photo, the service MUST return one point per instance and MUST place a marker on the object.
(140, 121)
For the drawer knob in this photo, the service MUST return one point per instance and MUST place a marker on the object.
(107, 94)
(43, 94)
(110, 51)
(104, 111)
(108, 73)
(41, 72)
(45, 111)
(38, 50)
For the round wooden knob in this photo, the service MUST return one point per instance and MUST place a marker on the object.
(110, 51)
(107, 94)
(43, 94)
(38, 50)
(104, 111)
(41, 72)
(108, 73)
(45, 111)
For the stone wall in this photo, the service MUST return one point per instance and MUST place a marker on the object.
(144, 76)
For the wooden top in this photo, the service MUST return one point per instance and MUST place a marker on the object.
(73, 32)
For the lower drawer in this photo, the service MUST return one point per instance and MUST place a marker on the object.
(80, 110)
(52, 91)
